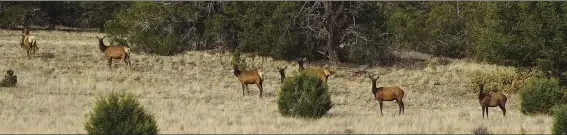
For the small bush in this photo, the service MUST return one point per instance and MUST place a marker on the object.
(9, 80)
(559, 119)
(304, 95)
(118, 114)
(540, 94)
(481, 131)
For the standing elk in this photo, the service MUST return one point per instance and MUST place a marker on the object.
(387, 94)
(322, 73)
(28, 42)
(492, 99)
(282, 73)
(249, 77)
(114, 52)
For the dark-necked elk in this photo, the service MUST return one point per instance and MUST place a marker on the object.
(114, 52)
(322, 73)
(28, 42)
(492, 99)
(282, 73)
(249, 77)
(387, 94)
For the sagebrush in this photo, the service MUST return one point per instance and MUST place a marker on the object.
(120, 114)
(304, 95)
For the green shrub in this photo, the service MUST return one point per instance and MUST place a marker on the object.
(9, 80)
(482, 130)
(119, 114)
(540, 94)
(559, 119)
(304, 95)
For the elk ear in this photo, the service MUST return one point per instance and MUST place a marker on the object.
(304, 59)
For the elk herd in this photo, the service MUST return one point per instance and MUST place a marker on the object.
(381, 94)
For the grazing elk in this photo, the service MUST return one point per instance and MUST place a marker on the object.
(114, 52)
(491, 99)
(282, 73)
(387, 94)
(249, 77)
(322, 73)
(28, 42)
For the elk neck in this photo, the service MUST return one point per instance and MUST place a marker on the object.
(283, 76)
(101, 46)
(481, 91)
(236, 71)
(374, 89)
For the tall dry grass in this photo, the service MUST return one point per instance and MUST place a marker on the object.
(197, 93)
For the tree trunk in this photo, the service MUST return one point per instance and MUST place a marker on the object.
(101, 27)
(332, 40)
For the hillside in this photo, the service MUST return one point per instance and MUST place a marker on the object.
(197, 93)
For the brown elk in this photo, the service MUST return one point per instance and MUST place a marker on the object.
(282, 73)
(114, 52)
(387, 94)
(491, 99)
(249, 77)
(28, 42)
(322, 73)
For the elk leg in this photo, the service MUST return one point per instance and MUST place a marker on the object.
(124, 59)
(503, 109)
(400, 105)
(483, 111)
(243, 86)
(486, 112)
(247, 90)
(109, 62)
(261, 89)
(128, 59)
(381, 108)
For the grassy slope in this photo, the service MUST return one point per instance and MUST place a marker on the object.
(197, 93)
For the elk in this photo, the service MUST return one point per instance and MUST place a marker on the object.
(491, 99)
(114, 52)
(28, 42)
(249, 77)
(387, 94)
(282, 73)
(322, 73)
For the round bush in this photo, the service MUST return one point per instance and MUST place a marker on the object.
(304, 95)
(119, 114)
(540, 94)
(559, 120)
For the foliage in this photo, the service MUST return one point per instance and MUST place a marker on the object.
(509, 80)
(155, 27)
(559, 119)
(482, 130)
(304, 95)
(540, 94)
(518, 33)
(120, 114)
(10, 80)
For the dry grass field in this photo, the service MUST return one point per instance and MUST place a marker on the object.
(196, 92)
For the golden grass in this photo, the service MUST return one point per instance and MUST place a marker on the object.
(197, 93)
